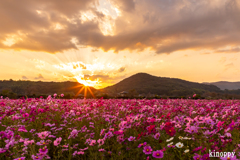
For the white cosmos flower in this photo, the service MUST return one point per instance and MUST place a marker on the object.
(186, 151)
(179, 145)
(169, 139)
(180, 137)
(170, 144)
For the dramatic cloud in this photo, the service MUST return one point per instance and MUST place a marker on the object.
(164, 26)
(24, 78)
(39, 77)
(122, 69)
(231, 50)
(101, 77)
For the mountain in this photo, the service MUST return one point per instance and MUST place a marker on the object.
(144, 83)
(226, 85)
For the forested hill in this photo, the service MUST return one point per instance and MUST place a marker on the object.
(11, 87)
(145, 83)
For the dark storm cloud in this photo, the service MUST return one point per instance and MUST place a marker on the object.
(165, 26)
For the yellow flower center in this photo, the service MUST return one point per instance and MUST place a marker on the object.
(147, 150)
(170, 131)
(228, 158)
(158, 154)
(19, 158)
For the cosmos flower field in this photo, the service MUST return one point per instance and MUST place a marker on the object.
(168, 129)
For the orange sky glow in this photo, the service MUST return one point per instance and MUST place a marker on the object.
(100, 42)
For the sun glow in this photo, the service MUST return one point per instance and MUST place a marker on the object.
(88, 74)
(87, 82)
(85, 90)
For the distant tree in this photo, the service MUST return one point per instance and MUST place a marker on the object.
(132, 93)
(5, 92)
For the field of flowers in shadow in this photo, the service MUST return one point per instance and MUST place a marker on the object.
(118, 129)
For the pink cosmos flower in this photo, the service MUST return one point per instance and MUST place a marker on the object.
(80, 152)
(157, 154)
(84, 149)
(101, 150)
(108, 135)
(131, 138)
(42, 142)
(57, 141)
(36, 157)
(229, 158)
(92, 143)
(26, 143)
(100, 141)
(44, 134)
(22, 129)
(73, 134)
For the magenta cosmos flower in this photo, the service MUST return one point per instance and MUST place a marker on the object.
(147, 150)
(229, 158)
(43, 150)
(142, 144)
(196, 157)
(20, 158)
(156, 136)
(2, 150)
(157, 154)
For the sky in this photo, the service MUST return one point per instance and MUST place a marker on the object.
(101, 42)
